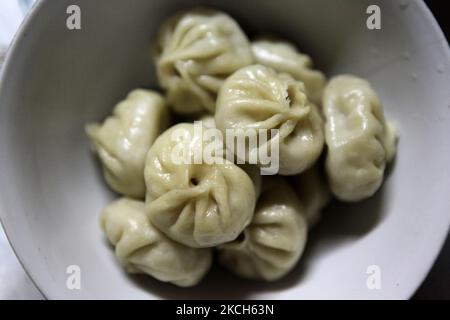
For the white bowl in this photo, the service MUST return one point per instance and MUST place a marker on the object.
(56, 80)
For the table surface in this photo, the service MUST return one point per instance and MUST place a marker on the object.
(14, 282)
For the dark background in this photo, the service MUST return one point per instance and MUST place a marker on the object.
(437, 283)
(441, 12)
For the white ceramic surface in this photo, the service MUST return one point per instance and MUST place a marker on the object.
(51, 191)
(14, 283)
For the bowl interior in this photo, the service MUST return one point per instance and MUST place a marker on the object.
(51, 189)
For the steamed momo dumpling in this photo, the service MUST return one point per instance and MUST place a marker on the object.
(313, 192)
(193, 202)
(141, 248)
(256, 98)
(359, 140)
(253, 171)
(390, 141)
(194, 52)
(123, 140)
(274, 241)
(284, 57)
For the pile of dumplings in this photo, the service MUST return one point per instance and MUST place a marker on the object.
(172, 218)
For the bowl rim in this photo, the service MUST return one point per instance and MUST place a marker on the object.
(13, 47)
(26, 21)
